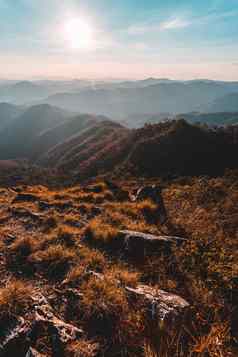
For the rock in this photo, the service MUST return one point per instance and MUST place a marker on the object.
(149, 192)
(166, 308)
(153, 193)
(140, 245)
(9, 239)
(119, 193)
(44, 314)
(34, 353)
(13, 337)
(25, 197)
(18, 335)
(43, 206)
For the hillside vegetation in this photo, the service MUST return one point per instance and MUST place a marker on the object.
(84, 145)
(66, 284)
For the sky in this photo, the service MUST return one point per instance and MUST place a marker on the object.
(119, 39)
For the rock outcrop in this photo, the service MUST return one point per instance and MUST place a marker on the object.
(141, 245)
(19, 335)
(153, 193)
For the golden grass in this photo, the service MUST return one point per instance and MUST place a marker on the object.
(100, 231)
(83, 348)
(103, 297)
(201, 270)
(66, 236)
(93, 259)
(75, 276)
(15, 299)
(53, 261)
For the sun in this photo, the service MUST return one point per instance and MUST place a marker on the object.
(79, 33)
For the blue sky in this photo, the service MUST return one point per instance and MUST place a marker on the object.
(129, 39)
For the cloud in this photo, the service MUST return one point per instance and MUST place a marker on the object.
(174, 23)
(180, 22)
(170, 24)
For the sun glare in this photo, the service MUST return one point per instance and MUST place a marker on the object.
(79, 33)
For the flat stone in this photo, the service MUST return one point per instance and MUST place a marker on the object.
(143, 244)
(165, 307)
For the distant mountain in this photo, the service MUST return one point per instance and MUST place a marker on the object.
(51, 137)
(8, 112)
(227, 103)
(85, 145)
(22, 92)
(17, 138)
(222, 118)
(167, 96)
(139, 120)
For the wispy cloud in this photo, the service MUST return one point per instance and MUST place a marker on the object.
(169, 24)
(174, 23)
(179, 22)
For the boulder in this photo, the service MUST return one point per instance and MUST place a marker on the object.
(153, 193)
(140, 245)
(167, 309)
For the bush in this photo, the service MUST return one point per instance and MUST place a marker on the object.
(100, 231)
(104, 304)
(18, 254)
(54, 261)
(66, 236)
(15, 299)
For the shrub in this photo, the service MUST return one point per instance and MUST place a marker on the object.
(76, 275)
(149, 210)
(100, 231)
(66, 236)
(19, 252)
(93, 259)
(104, 304)
(15, 299)
(54, 261)
(126, 277)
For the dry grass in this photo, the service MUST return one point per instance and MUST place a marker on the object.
(75, 276)
(83, 348)
(15, 299)
(103, 297)
(66, 236)
(213, 344)
(201, 270)
(100, 231)
(93, 259)
(18, 254)
(149, 210)
(124, 276)
(53, 261)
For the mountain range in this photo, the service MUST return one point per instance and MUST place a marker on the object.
(126, 99)
(83, 145)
